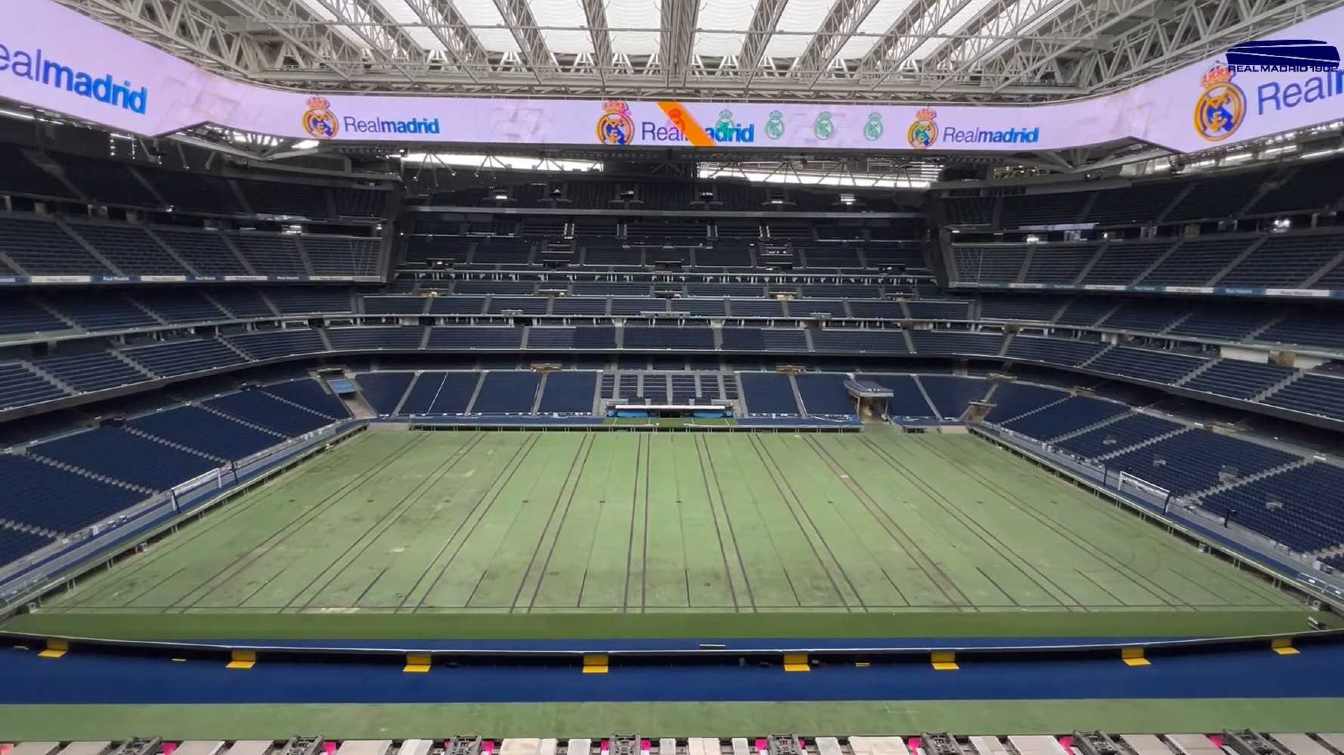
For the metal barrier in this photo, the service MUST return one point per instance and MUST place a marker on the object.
(49, 564)
(1157, 503)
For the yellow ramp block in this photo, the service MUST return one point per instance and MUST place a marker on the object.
(417, 663)
(944, 660)
(242, 660)
(55, 649)
(796, 662)
(1283, 646)
(595, 664)
(1133, 657)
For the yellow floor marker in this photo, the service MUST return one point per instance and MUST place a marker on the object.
(242, 660)
(417, 663)
(1134, 657)
(944, 660)
(55, 649)
(594, 664)
(1283, 646)
(796, 662)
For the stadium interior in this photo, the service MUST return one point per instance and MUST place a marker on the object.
(315, 447)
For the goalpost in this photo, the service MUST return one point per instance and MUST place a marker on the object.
(1129, 483)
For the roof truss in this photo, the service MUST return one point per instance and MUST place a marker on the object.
(1008, 50)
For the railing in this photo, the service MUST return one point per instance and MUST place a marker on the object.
(1158, 502)
(49, 564)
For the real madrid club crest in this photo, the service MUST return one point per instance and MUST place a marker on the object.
(872, 130)
(923, 133)
(318, 120)
(774, 128)
(615, 126)
(1221, 106)
(725, 121)
(823, 127)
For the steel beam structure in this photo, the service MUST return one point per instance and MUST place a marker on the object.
(1011, 51)
(676, 39)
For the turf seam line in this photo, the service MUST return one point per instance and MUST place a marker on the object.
(1068, 534)
(986, 535)
(201, 526)
(392, 515)
(505, 473)
(924, 562)
(283, 533)
(500, 484)
(797, 509)
(586, 450)
(708, 470)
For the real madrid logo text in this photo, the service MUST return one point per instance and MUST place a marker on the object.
(923, 133)
(318, 120)
(1221, 107)
(615, 126)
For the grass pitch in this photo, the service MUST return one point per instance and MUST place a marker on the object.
(856, 534)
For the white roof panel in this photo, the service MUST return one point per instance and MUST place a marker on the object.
(479, 13)
(798, 16)
(631, 16)
(562, 13)
(878, 21)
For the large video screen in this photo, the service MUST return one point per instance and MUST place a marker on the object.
(59, 60)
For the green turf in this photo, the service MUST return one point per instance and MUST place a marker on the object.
(717, 719)
(857, 534)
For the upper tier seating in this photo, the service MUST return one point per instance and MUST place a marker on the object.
(1067, 416)
(1313, 394)
(205, 432)
(270, 254)
(208, 252)
(41, 247)
(308, 394)
(1123, 261)
(384, 390)
(20, 175)
(440, 393)
(1196, 460)
(1115, 436)
(951, 396)
(989, 263)
(768, 393)
(117, 454)
(568, 393)
(1043, 209)
(824, 393)
(907, 400)
(1299, 507)
(1197, 261)
(20, 386)
(1012, 400)
(1285, 261)
(507, 392)
(45, 496)
(25, 317)
(183, 357)
(93, 371)
(1238, 379)
(267, 412)
(1157, 366)
(1053, 350)
(130, 248)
